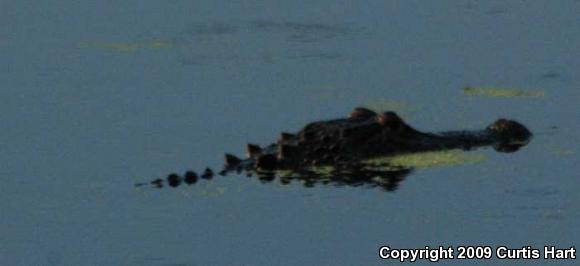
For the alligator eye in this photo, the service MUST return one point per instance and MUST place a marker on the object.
(361, 113)
(390, 120)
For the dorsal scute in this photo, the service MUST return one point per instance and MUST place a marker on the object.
(232, 160)
(286, 137)
(253, 150)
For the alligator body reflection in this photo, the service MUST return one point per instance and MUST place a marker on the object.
(335, 151)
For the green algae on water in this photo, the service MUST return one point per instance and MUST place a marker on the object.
(424, 160)
(501, 93)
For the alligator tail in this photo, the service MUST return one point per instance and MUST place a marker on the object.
(174, 179)
(232, 164)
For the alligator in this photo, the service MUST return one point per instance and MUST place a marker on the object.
(345, 144)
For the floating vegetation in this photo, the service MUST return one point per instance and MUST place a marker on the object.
(126, 47)
(505, 93)
(323, 171)
(425, 160)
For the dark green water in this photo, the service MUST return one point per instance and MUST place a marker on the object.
(99, 96)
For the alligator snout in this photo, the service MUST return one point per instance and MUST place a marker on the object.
(510, 130)
(511, 135)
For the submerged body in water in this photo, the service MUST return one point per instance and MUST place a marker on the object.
(336, 151)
